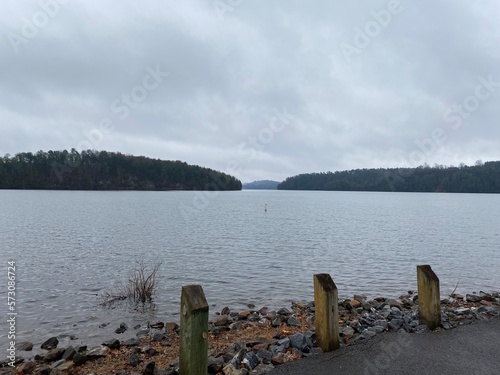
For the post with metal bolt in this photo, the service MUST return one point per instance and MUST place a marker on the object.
(194, 331)
(326, 312)
(429, 308)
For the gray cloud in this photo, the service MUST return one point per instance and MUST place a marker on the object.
(231, 69)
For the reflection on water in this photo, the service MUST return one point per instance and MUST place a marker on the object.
(70, 247)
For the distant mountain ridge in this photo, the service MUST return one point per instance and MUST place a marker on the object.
(261, 184)
(102, 170)
(480, 178)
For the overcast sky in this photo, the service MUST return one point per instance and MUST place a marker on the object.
(256, 88)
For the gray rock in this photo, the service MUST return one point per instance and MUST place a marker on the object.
(142, 332)
(150, 351)
(131, 342)
(157, 325)
(54, 355)
(58, 363)
(395, 324)
(276, 322)
(79, 359)
(280, 358)
(134, 360)
(285, 342)
(367, 334)
(473, 298)
(25, 368)
(293, 322)
(376, 329)
(50, 343)
(112, 344)
(348, 331)
(284, 311)
(271, 314)
(122, 328)
(158, 336)
(299, 341)
(253, 317)
(149, 369)
(265, 356)
(446, 325)
(251, 360)
(381, 323)
(396, 312)
(26, 346)
(359, 298)
(97, 352)
(69, 353)
(275, 349)
(236, 325)
(215, 365)
(221, 320)
(81, 348)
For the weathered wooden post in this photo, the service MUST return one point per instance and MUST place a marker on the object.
(326, 303)
(194, 331)
(429, 308)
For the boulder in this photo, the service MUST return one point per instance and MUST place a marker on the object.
(473, 298)
(50, 343)
(69, 353)
(299, 341)
(112, 344)
(26, 346)
(97, 352)
(149, 369)
(79, 359)
(54, 355)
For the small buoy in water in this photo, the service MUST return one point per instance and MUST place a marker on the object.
(265, 207)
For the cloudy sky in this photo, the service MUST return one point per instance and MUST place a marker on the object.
(259, 89)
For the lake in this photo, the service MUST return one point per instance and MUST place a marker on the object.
(72, 246)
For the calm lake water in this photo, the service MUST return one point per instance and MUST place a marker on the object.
(70, 247)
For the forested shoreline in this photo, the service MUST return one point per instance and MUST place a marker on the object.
(102, 170)
(480, 178)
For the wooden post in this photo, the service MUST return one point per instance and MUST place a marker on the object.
(429, 307)
(326, 312)
(194, 331)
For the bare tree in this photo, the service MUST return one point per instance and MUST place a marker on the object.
(140, 287)
(142, 282)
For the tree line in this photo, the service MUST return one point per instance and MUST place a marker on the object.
(102, 170)
(480, 178)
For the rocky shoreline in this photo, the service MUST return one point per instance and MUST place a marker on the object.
(252, 341)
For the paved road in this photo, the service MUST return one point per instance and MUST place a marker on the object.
(471, 349)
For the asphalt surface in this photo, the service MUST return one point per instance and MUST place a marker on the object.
(471, 349)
